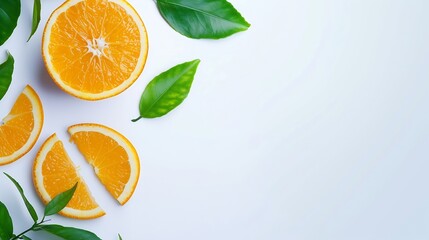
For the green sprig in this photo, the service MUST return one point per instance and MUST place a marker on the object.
(54, 206)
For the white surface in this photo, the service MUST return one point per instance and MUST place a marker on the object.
(313, 124)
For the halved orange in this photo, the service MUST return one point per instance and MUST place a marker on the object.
(95, 49)
(54, 172)
(113, 157)
(21, 128)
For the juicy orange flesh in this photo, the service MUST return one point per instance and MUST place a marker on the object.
(109, 159)
(16, 127)
(109, 31)
(59, 174)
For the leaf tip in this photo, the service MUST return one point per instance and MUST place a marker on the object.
(9, 55)
(7, 175)
(196, 61)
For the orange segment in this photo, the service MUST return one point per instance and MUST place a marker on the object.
(113, 157)
(21, 128)
(54, 172)
(95, 49)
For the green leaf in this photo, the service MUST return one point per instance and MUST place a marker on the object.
(212, 19)
(6, 70)
(119, 235)
(167, 90)
(9, 13)
(37, 7)
(60, 201)
(6, 226)
(69, 233)
(30, 207)
(25, 237)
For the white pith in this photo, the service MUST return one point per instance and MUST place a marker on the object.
(126, 145)
(39, 182)
(96, 51)
(97, 46)
(37, 128)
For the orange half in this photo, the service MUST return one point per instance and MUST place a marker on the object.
(21, 128)
(54, 173)
(113, 157)
(95, 49)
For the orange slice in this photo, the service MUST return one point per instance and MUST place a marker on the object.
(95, 49)
(113, 157)
(54, 172)
(21, 128)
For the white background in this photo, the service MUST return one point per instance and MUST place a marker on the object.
(313, 124)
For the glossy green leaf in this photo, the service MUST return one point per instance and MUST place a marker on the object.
(212, 19)
(69, 233)
(6, 226)
(30, 207)
(6, 70)
(168, 90)
(37, 7)
(9, 13)
(60, 201)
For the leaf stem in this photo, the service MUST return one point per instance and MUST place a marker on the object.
(135, 120)
(32, 228)
(26, 231)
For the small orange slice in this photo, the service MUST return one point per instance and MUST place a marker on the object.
(21, 128)
(113, 157)
(95, 49)
(54, 172)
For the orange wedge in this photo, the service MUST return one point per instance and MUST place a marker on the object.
(113, 157)
(54, 172)
(94, 49)
(21, 128)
